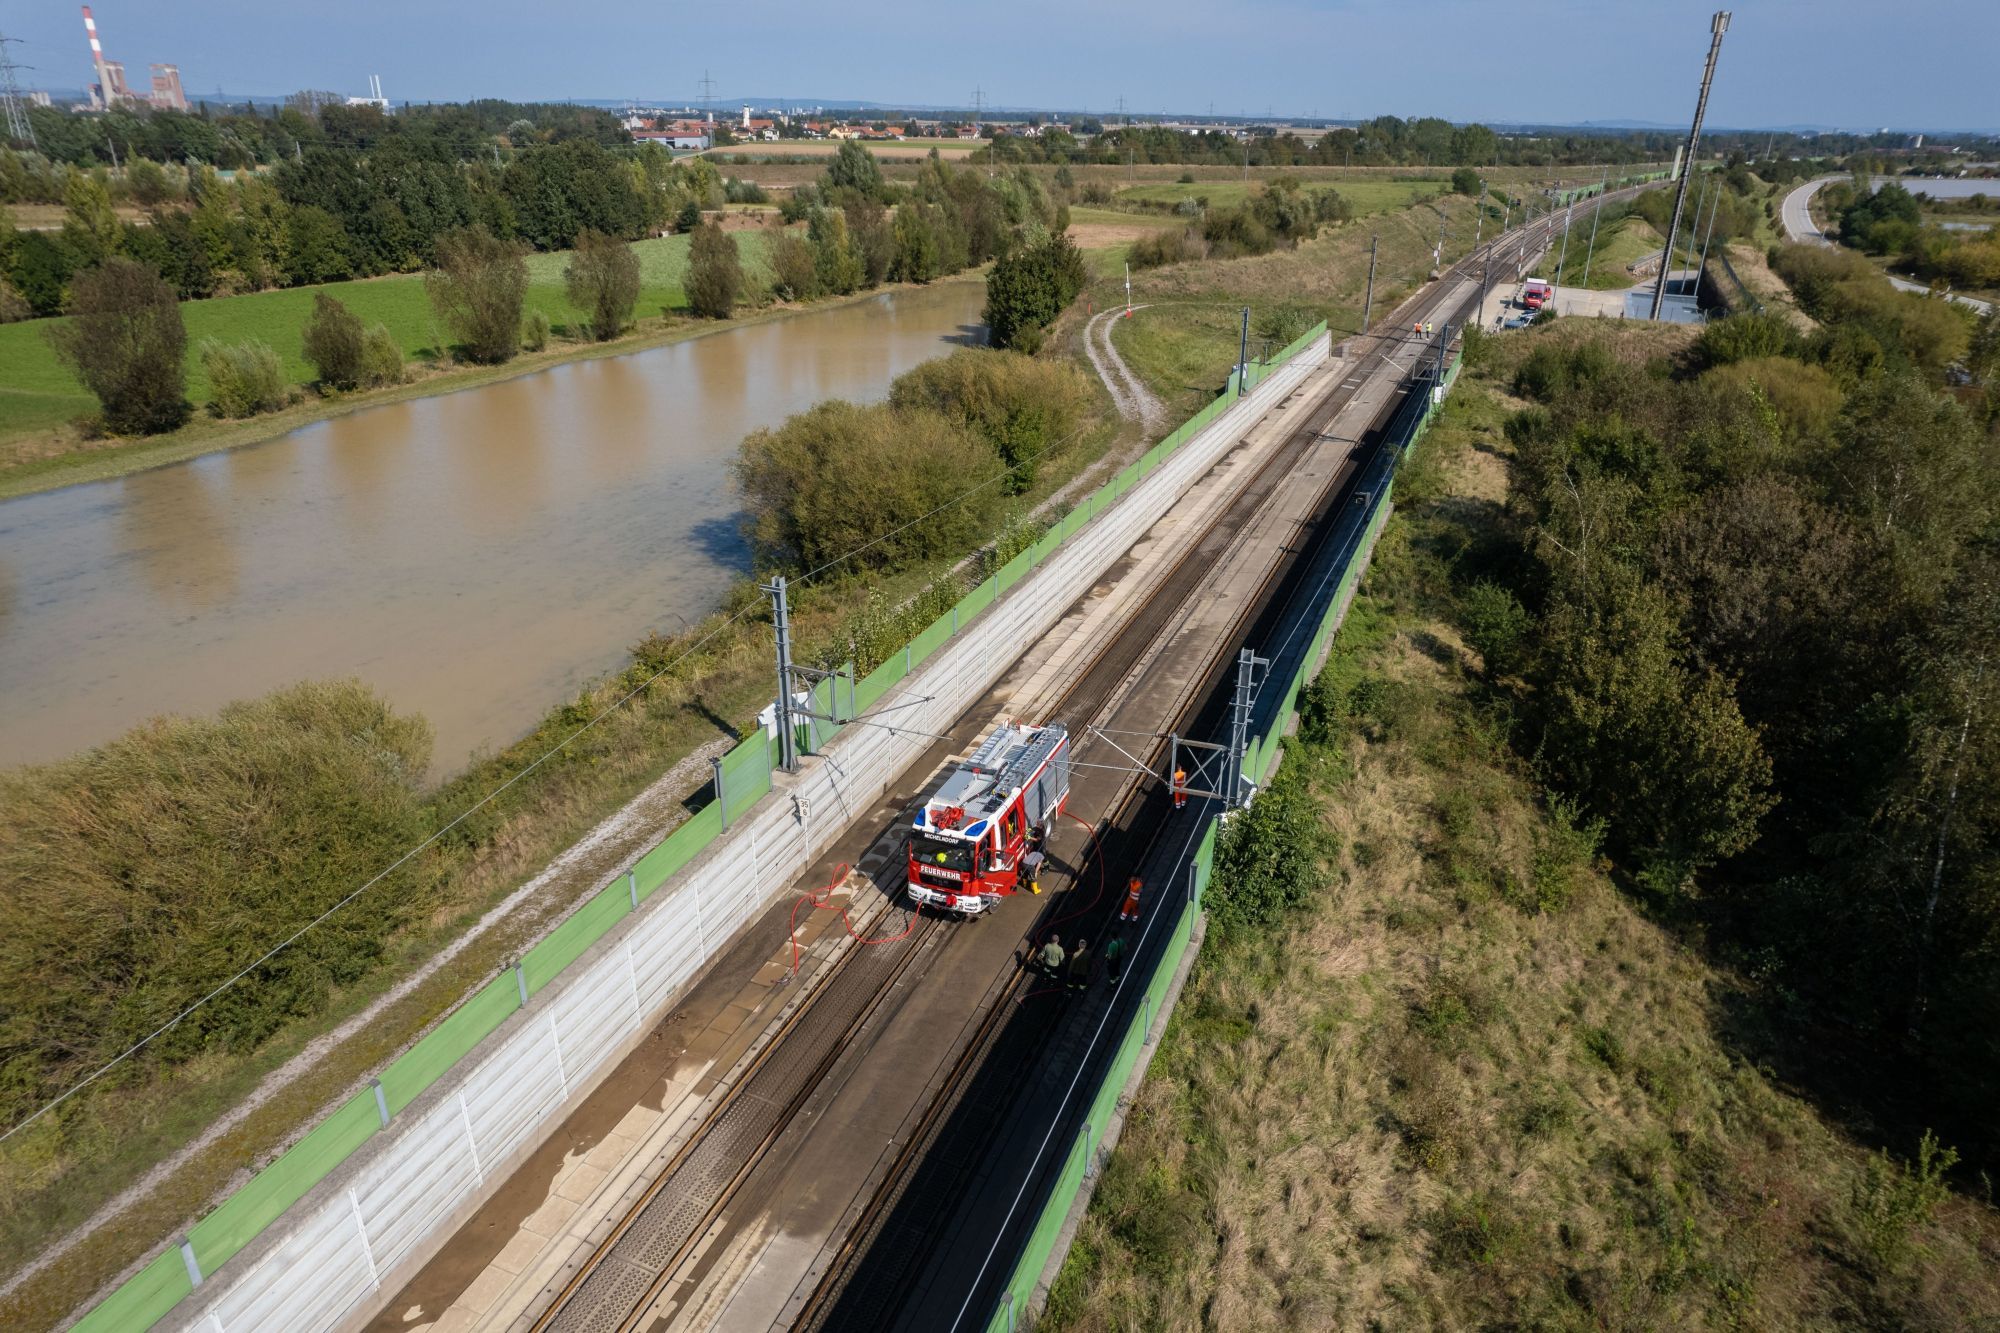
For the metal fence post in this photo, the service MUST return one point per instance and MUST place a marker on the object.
(632, 886)
(721, 790)
(381, 1101)
(521, 981)
(1010, 1312)
(954, 618)
(192, 1264)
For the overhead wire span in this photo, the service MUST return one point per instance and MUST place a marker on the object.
(485, 800)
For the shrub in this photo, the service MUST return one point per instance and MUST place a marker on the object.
(1744, 337)
(1285, 324)
(13, 306)
(139, 875)
(1269, 860)
(1891, 1200)
(126, 342)
(478, 289)
(382, 355)
(244, 379)
(1026, 410)
(602, 281)
(1028, 288)
(1496, 625)
(793, 276)
(335, 343)
(715, 275)
(1465, 181)
(535, 331)
(840, 478)
(1805, 398)
(1174, 246)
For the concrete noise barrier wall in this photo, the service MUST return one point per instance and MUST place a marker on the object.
(366, 1197)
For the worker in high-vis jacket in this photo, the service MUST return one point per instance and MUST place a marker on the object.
(1130, 912)
(1180, 788)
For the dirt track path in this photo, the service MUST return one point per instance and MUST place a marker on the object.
(1135, 402)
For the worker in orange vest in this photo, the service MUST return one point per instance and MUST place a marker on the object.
(1131, 910)
(1180, 788)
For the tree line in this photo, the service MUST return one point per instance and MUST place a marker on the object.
(1751, 618)
(1888, 220)
(126, 340)
(336, 213)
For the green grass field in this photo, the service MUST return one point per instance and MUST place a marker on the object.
(1365, 195)
(38, 393)
(1618, 244)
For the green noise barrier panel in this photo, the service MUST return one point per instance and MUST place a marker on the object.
(746, 775)
(444, 1045)
(217, 1237)
(145, 1298)
(566, 943)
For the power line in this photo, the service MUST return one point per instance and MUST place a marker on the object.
(19, 127)
(488, 798)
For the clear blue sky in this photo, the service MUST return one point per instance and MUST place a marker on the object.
(1850, 63)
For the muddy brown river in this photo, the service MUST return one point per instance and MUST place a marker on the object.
(475, 556)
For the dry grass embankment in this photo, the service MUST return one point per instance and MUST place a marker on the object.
(1184, 343)
(1474, 1086)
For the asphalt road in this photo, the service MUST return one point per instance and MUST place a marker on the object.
(1797, 213)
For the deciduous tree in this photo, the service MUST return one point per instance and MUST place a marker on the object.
(477, 289)
(715, 274)
(126, 342)
(603, 281)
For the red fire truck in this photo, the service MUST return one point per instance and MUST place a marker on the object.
(967, 840)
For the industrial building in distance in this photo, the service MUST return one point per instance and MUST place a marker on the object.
(111, 91)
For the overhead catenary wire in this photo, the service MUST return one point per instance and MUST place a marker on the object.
(432, 838)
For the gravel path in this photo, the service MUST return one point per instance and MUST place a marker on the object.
(1134, 400)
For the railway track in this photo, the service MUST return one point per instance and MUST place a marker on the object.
(900, 1228)
(641, 1254)
(628, 1270)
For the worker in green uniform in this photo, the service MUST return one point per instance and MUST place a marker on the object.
(1114, 958)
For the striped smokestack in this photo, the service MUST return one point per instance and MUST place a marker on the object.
(104, 89)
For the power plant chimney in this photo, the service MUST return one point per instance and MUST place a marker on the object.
(106, 91)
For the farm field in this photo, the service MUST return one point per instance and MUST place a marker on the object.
(1365, 194)
(906, 150)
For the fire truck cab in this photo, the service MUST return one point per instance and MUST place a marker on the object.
(967, 840)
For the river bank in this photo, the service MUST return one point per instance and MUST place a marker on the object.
(34, 463)
(471, 556)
